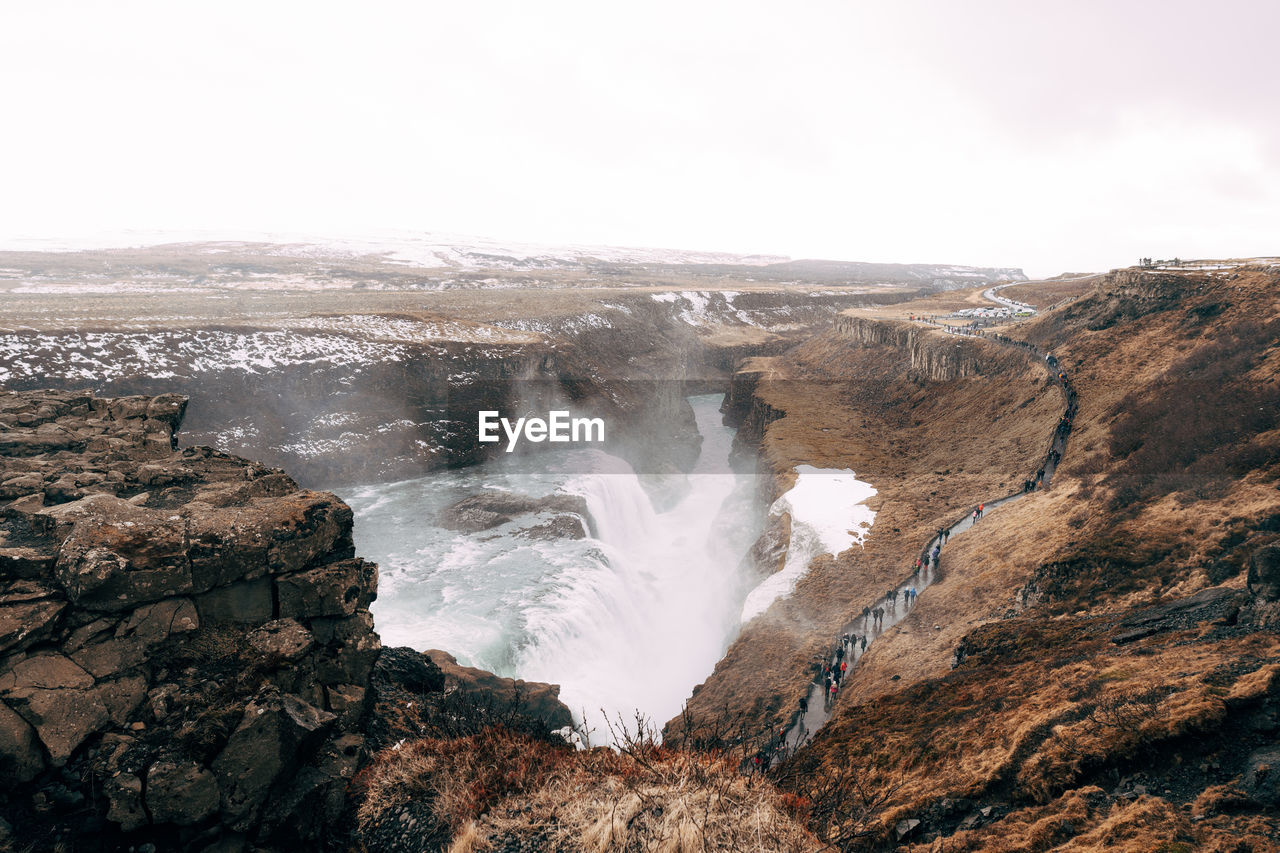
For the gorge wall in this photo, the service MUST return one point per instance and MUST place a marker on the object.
(375, 397)
(935, 422)
(186, 650)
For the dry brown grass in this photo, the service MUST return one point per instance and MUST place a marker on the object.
(495, 786)
(930, 450)
(1042, 294)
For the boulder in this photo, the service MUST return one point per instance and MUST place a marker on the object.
(1262, 776)
(180, 791)
(276, 732)
(45, 671)
(64, 719)
(337, 589)
(134, 637)
(55, 696)
(25, 623)
(1264, 573)
(491, 508)
(117, 556)
(304, 527)
(350, 661)
(124, 801)
(409, 670)
(282, 639)
(348, 702)
(23, 562)
(21, 759)
(122, 696)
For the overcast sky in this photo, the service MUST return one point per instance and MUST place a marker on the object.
(1065, 136)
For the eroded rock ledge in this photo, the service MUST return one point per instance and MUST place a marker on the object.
(185, 642)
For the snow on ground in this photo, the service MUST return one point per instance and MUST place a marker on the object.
(417, 249)
(80, 288)
(168, 353)
(568, 325)
(104, 356)
(378, 327)
(828, 515)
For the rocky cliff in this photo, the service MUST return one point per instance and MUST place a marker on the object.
(934, 358)
(186, 648)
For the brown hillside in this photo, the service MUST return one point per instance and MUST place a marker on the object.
(1117, 679)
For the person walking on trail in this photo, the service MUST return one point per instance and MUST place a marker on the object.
(946, 535)
(804, 704)
(835, 688)
(864, 642)
(934, 554)
(975, 516)
(844, 669)
(981, 510)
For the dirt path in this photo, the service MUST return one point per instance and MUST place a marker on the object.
(891, 608)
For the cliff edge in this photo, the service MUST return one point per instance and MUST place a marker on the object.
(187, 657)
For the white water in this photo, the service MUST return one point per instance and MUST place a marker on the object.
(628, 620)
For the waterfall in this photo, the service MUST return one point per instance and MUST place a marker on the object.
(628, 620)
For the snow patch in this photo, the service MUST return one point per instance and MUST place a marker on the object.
(828, 515)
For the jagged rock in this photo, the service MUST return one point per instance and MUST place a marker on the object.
(45, 671)
(350, 660)
(307, 525)
(283, 639)
(490, 509)
(337, 589)
(23, 562)
(531, 698)
(409, 670)
(266, 745)
(180, 792)
(135, 609)
(1264, 573)
(22, 624)
(1262, 776)
(147, 627)
(122, 697)
(348, 702)
(904, 828)
(557, 527)
(20, 756)
(1215, 603)
(64, 719)
(124, 799)
(117, 556)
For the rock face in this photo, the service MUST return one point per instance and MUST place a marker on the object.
(185, 639)
(933, 359)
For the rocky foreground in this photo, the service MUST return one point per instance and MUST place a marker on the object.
(187, 658)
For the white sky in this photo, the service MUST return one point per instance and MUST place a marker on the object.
(1065, 136)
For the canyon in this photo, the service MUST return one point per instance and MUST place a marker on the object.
(179, 609)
